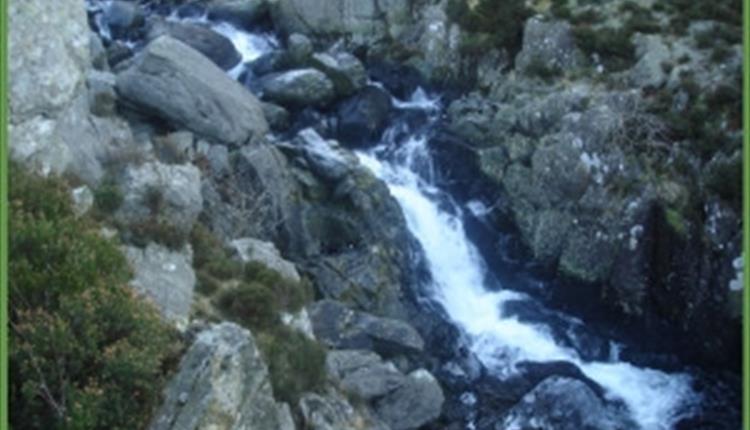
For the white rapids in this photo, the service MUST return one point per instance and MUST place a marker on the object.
(656, 400)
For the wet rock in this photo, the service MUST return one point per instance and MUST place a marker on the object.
(548, 44)
(166, 278)
(249, 249)
(417, 402)
(122, 18)
(243, 13)
(170, 79)
(342, 328)
(565, 404)
(325, 158)
(176, 190)
(343, 69)
(211, 44)
(277, 116)
(298, 88)
(223, 384)
(299, 49)
(363, 117)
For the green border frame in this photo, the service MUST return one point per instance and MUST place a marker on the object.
(746, 217)
(4, 399)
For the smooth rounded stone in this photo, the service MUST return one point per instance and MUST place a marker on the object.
(298, 88)
(101, 91)
(179, 84)
(179, 187)
(548, 44)
(243, 13)
(222, 384)
(122, 17)
(343, 328)
(363, 117)
(277, 116)
(213, 45)
(299, 48)
(362, 376)
(416, 403)
(400, 80)
(565, 404)
(266, 253)
(343, 69)
(166, 278)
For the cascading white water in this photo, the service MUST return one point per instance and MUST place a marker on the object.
(656, 400)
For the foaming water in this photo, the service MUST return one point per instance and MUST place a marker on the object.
(656, 400)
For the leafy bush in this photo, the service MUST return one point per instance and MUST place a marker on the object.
(84, 352)
(503, 24)
(154, 230)
(296, 363)
(251, 304)
(107, 197)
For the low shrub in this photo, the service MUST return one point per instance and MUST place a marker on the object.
(84, 351)
(251, 304)
(155, 230)
(107, 197)
(295, 362)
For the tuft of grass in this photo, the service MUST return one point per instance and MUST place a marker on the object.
(107, 197)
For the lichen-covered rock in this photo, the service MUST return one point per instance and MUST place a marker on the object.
(166, 278)
(298, 88)
(333, 412)
(416, 403)
(343, 328)
(363, 374)
(172, 190)
(548, 44)
(177, 83)
(249, 249)
(222, 384)
(343, 69)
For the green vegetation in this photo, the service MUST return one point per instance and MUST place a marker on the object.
(85, 353)
(253, 295)
(489, 25)
(295, 362)
(613, 46)
(107, 197)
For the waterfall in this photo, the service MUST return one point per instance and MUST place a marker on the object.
(655, 399)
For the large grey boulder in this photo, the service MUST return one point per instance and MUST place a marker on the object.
(340, 327)
(49, 56)
(222, 384)
(298, 88)
(249, 249)
(213, 45)
(51, 126)
(363, 374)
(166, 278)
(176, 82)
(343, 69)
(360, 20)
(333, 412)
(565, 404)
(175, 189)
(417, 402)
(548, 44)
